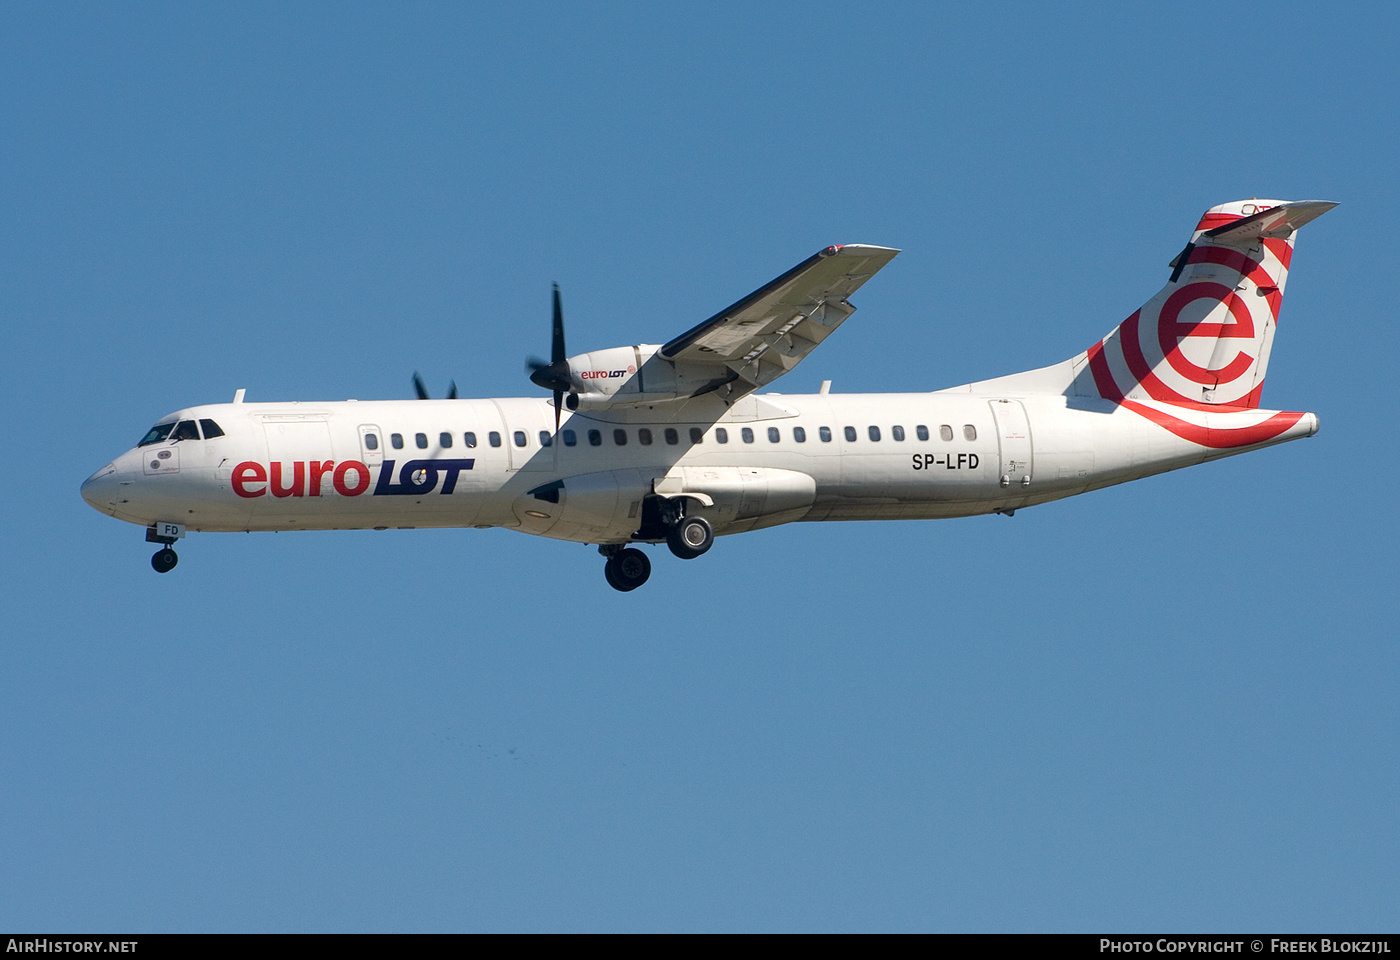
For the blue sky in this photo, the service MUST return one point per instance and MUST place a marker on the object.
(1167, 705)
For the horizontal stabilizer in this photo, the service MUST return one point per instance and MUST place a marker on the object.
(1279, 221)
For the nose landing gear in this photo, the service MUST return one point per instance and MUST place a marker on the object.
(165, 534)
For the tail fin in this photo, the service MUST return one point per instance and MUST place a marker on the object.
(1205, 338)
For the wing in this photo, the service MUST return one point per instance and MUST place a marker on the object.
(766, 334)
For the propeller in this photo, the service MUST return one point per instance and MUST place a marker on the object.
(555, 374)
(422, 390)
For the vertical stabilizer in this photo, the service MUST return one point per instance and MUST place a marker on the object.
(1205, 338)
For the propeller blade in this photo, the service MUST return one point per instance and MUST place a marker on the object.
(554, 375)
(452, 390)
(418, 386)
(557, 352)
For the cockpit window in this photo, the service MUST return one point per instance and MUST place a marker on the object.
(185, 430)
(158, 433)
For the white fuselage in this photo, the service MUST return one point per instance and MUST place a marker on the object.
(671, 442)
(765, 460)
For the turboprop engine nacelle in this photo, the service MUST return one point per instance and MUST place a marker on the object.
(638, 375)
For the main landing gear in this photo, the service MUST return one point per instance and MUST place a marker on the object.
(627, 567)
(689, 537)
(662, 519)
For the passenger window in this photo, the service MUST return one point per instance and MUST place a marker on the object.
(922, 431)
(620, 437)
(697, 435)
(469, 439)
(721, 435)
(799, 434)
(897, 433)
(211, 429)
(595, 438)
(445, 439)
(520, 438)
(371, 442)
(644, 437)
(570, 438)
(422, 440)
(850, 434)
(874, 432)
(747, 434)
(396, 440)
(773, 435)
(672, 437)
(946, 432)
(969, 432)
(185, 430)
(824, 433)
(545, 439)
(493, 438)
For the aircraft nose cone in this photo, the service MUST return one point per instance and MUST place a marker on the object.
(100, 489)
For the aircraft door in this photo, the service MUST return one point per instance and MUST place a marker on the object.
(292, 441)
(371, 445)
(295, 438)
(1013, 442)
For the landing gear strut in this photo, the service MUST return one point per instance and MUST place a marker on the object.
(627, 567)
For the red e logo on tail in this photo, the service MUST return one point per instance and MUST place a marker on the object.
(1171, 331)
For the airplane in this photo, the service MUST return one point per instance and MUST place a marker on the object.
(673, 443)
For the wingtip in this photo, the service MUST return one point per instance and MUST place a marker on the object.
(859, 250)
